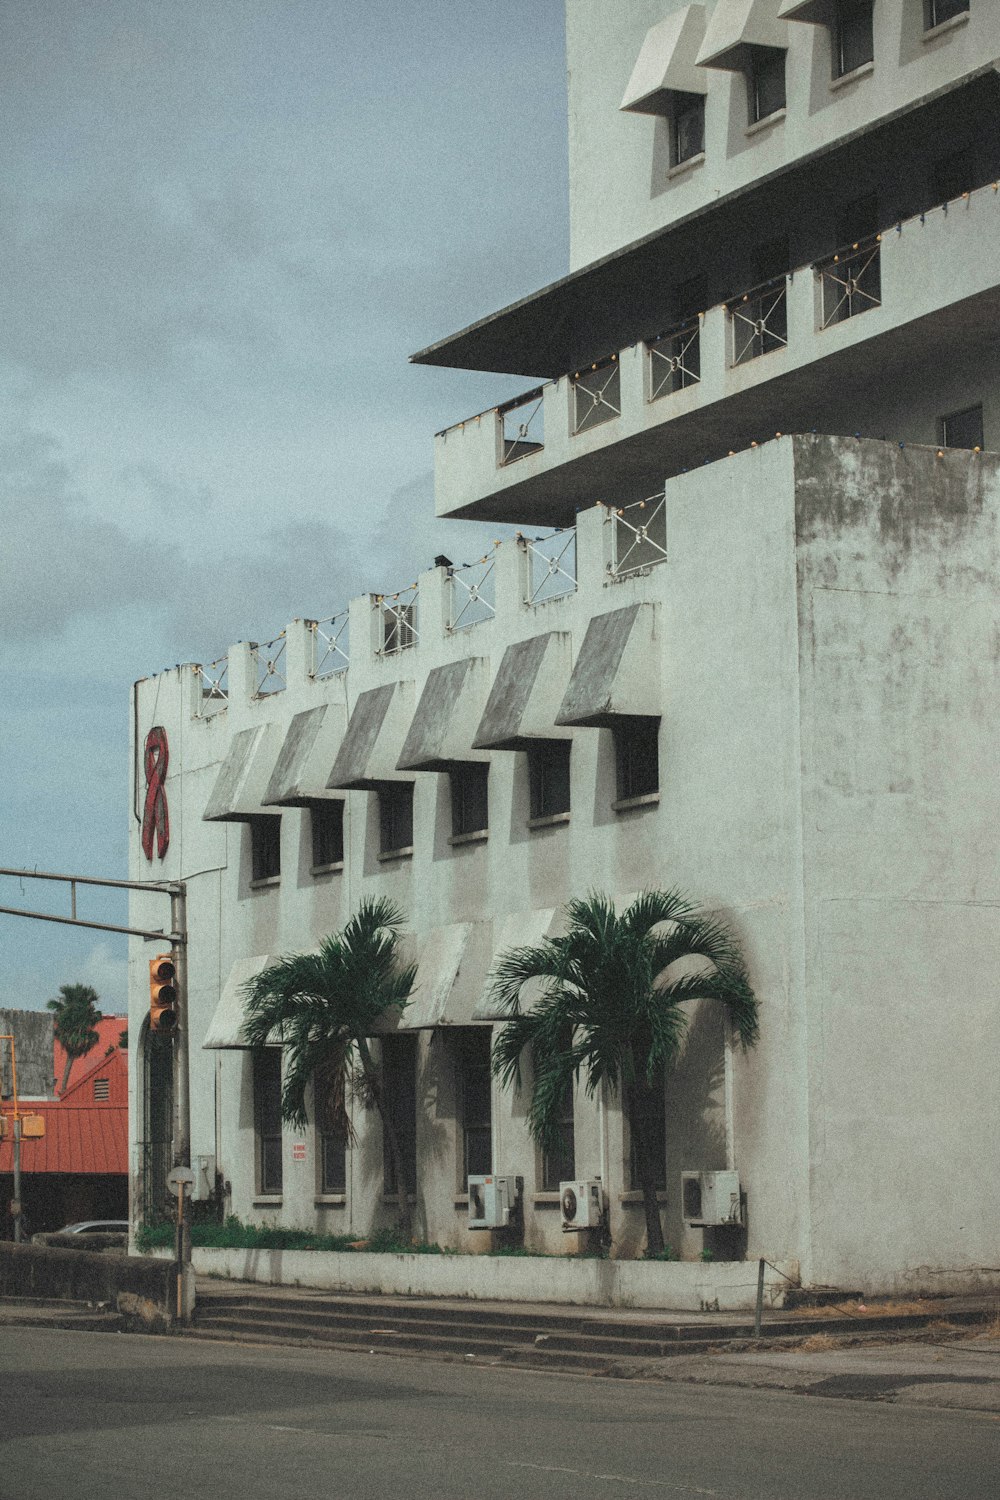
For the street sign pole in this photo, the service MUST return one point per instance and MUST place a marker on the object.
(17, 1176)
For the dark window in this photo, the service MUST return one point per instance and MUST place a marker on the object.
(964, 429)
(687, 133)
(399, 627)
(327, 826)
(637, 760)
(559, 1157)
(267, 1118)
(469, 798)
(395, 816)
(548, 777)
(653, 1124)
(938, 11)
(853, 40)
(332, 1139)
(475, 1093)
(265, 848)
(954, 175)
(399, 1081)
(766, 82)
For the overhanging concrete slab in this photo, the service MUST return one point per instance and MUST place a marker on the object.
(447, 717)
(617, 671)
(531, 681)
(240, 786)
(371, 747)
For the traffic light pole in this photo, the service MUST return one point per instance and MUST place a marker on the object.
(177, 937)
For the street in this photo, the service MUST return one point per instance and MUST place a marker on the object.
(120, 1416)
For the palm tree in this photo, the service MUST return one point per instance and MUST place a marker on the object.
(611, 1009)
(76, 1018)
(325, 1006)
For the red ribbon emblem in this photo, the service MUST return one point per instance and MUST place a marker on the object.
(155, 816)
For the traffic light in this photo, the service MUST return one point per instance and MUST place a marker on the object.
(162, 994)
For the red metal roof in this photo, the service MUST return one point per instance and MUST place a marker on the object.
(89, 1138)
(109, 1029)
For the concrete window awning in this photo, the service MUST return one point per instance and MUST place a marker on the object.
(452, 963)
(617, 673)
(526, 693)
(447, 717)
(818, 12)
(736, 28)
(667, 63)
(310, 746)
(368, 756)
(519, 929)
(240, 786)
(226, 1026)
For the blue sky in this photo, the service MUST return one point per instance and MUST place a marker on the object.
(224, 226)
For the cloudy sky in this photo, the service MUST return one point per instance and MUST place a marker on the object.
(224, 225)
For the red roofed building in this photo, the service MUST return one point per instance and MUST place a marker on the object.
(79, 1168)
(109, 1030)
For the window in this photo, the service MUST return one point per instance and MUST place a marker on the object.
(939, 11)
(327, 827)
(637, 759)
(475, 1100)
(963, 429)
(653, 1124)
(267, 1118)
(954, 175)
(395, 816)
(265, 848)
(399, 1083)
(469, 798)
(332, 1141)
(399, 628)
(853, 40)
(766, 83)
(687, 128)
(548, 778)
(559, 1156)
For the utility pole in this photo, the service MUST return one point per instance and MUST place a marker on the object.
(36, 1129)
(177, 938)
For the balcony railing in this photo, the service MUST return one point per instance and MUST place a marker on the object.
(759, 321)
(399, 620)
(471, 593)
(638, 536)
(269, 666)
(521, 424)
(674, 359)
(851, 281)
(549, 565)
(330, 645)
(214, 680)
(597, 395)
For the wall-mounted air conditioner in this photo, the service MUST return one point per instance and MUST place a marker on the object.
(582, 1204)
(492, 1201)
(711, 1199)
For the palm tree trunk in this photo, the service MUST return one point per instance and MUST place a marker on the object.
(70, 1060)
(646, 1166)
(374, 1077)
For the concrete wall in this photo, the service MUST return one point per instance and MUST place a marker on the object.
(86, 1276)
(32, 1033)
(900, 692)
(621, 185)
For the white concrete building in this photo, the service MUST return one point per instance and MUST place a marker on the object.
(753, 653)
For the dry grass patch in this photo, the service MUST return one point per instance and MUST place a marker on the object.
(819, 1343)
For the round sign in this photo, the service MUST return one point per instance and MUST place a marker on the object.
(180, 1177)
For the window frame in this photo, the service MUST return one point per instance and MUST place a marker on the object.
(468, 787)
(474, 1100)
(267, 1123)
(946, 421)
(684, 106)
(395, 818)
(762, 61)
(931, 18)
(856, 9)
(549, 781)
(329, 1143)
(265, 849)
(330, 813)
(399, 1083)
(630, 734)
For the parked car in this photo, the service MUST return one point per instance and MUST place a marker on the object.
(86, 1226)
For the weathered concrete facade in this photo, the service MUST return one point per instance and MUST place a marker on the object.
(769, 676)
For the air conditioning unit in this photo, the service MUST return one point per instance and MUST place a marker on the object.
(582, 1204)
(711, 1199)
(492, 1200)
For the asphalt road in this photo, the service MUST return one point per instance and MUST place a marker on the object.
(119, 1416)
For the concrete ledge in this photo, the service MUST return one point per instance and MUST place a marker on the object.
(682, 1285)
(141, 1288)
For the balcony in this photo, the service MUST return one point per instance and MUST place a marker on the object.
(836, 347)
